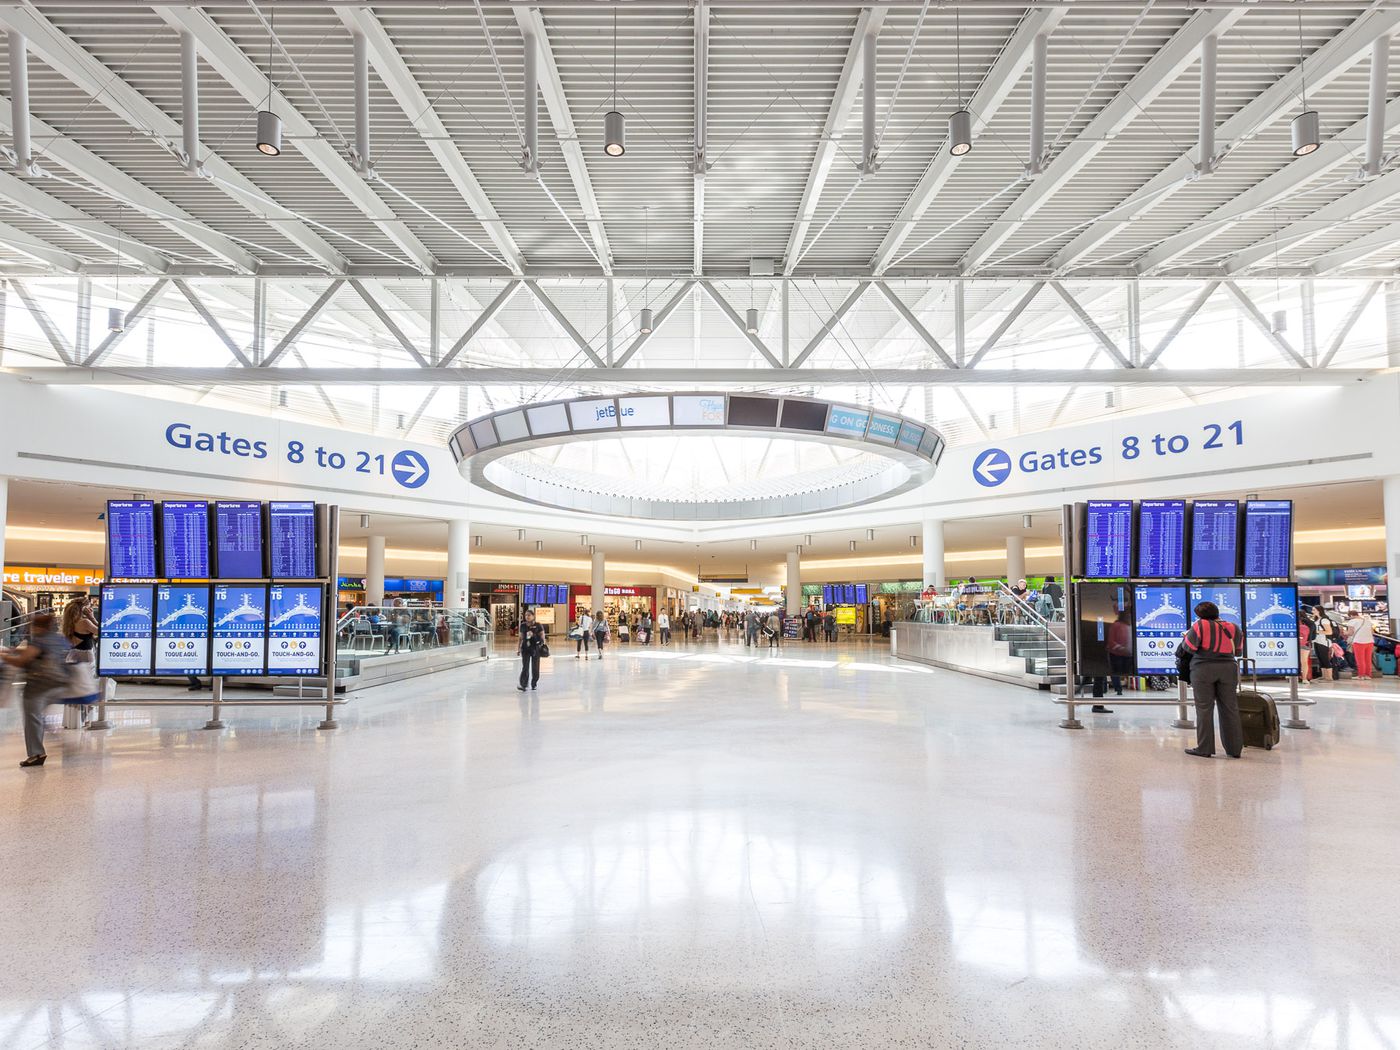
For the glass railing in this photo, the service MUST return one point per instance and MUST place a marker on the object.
(374, 630)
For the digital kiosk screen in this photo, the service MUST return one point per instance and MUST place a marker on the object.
(125, 640)
(1271, 627)
(1098, 606)
(291, 539)
(1214, 538)
(238, 540)
(1108, 539)
(184, 539)
(1159, 621)
(1226, 597)
(1268, 538)
(1161, 538)
(240, 629)
(131, 539)
(294, 629)
(182, 629)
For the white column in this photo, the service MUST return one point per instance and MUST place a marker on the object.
(374, 570)
(794, 583)
(596, 600)
(934, 574)
(1015, 559)
(456, 589)
(1390, 503)
(4, 513)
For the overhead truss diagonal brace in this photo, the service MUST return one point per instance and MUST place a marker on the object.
(564, 323)
(1006, 323)
(482, 319)
(61, 346)
(681, 294)
(213, 323)
(1353, 315)
(1109, 346)
(830, 324)
(389, 323)
(294, 333)
(133, 315)
(1281, 344)
(738, 322)
(1181, 322)
(913, 322)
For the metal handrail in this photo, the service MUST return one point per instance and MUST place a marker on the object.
(1004, 591)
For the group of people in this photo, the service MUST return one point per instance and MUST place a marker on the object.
(815, 623)
(57, 661)
(1336, 646)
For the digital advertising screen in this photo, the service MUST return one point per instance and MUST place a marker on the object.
(1271, 627)
(238, 540)
(1215, 527)
(1268, 538)
(294, 629)
(1226, 597)
(291, 539)
(184, 539)
(1159, 621)
(124, 644)
(182, 629)
(1098, 605)
(131, 539)
(1161, 544)
(240, 629)
(1108, 539)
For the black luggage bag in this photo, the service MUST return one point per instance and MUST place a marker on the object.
(1258, 714)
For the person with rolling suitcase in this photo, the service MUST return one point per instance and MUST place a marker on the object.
(1207, 654)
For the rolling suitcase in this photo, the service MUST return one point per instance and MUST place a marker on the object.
(1258, 713)
(1384, 662)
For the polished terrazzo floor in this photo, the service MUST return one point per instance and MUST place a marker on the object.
(701, 847)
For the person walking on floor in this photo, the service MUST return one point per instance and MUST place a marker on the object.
(45, 680)
(584, 626)
(663, 625)
(1363, 643)
(531, 646)
(829, 626)
(1207, 654)
(751, 629)
(600, 631)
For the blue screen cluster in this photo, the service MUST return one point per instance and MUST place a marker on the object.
(1214, 537)
(131, 539)
(844, 594)
(1268, 539)
(544, 594)
(1108, 539)
(1162, 538)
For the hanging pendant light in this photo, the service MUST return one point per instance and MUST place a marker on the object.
(647, 322)
(751, 321)
(116, 320)
(614, 123)
(269, 123)
(960, 123)
(751, 316)
(1307, 125)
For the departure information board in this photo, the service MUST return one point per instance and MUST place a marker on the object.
(182, 629)
(1108, 539)
(1162, 538)
(240, 629)
(238, 540)
(294, 629)
(184, 539)
(1159, 621)
(131, 539)
(1271, 627)
(1268, 539)
(1214, 538)
(544, 594)
(124, 647)
(291, 540)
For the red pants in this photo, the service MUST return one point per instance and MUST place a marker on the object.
(1363, 654)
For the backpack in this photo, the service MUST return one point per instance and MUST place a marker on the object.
(46, 674)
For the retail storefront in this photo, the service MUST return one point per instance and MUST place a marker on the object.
(411, 589)
(632, 600)
(32, 587)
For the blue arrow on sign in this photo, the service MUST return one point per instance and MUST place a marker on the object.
(409, 469)
(991, 467)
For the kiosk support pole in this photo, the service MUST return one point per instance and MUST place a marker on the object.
(331, 602)
(1071, 620)
(215, 722)
(1297, 721)
(100, 722)
(1183, 719)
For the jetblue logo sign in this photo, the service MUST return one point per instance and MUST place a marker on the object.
(991, 468)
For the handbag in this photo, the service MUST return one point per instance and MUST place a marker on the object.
(575, 633)
(544, 650)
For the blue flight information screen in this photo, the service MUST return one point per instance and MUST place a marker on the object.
(1268, 538)
(238, 540)
(1162, 538)
(1108, 539)
(131, 539)
(1159, 621)
(1226, 597)
(294, 629)
(125, 621)
(182, 629)
(1215, 538)
(291, 538)
(240, 629)
(1271, 627)
(184, 539)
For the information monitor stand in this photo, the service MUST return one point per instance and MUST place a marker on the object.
(215, 722)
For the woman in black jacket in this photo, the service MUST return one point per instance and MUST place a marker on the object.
(531, 647)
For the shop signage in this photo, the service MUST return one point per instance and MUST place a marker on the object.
(621, 592)
(31, 576)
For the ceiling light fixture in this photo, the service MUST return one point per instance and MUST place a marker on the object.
(614, 123)
(519, 534)
(751, 317)
(853, 546)
(637, 545)
(1025, 521)
(1306, 125)
(364, 521)
(960, 123)
(476, 541)
(753, 545)
(269, 123)
(913, 543)
(647, 321)
(539, 545)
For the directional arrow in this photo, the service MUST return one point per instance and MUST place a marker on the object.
(410, 470)
(991, 467)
